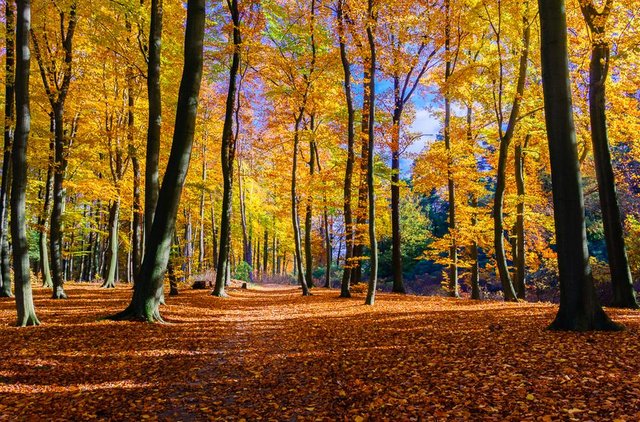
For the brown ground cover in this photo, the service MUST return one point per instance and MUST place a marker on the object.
(270, 354)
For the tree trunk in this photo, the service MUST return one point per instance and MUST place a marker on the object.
(247, 253)
(112, 256)
(624, 295)
(55, 240)
(373, 242)
(9, 121)
(265, 256)
(308, 218)
(453, 250)
(579, 309)
(148, 294)
(227, 155)
(137, 229)
(201, 246)
(24, 298)
(152, 180)
(348, 175)
(505, 141)
(520, 256)
(214, 235)
(396, 241)
(328, 246)
(294, 210)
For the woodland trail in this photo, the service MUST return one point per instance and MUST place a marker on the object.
(268, 353)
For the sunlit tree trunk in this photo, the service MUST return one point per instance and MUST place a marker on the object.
(148, 294)
(308, 218)
(580, 309)
(24, 298)
(112, 251)
(520, 255)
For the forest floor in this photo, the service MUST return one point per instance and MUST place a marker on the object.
(268, 353)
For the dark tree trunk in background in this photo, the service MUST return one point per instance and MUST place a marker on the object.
(148, 294)
(294, 210)
(9, 127)
(265, 256)
(247, 253)
(55, 238)
(580, 309)
(24, 298)
(328, 247)
(308, 253)
(371, 195)
(201, 236)
(151, 177)
(227, 151)
(624, 295)
(348, 175)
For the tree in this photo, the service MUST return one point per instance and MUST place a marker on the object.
(148, 294)
(372, 16)
(56, 88)
(22, 282)
(227, 154)
(580, 309)
(151, 175)
(623, 294)
(9, 113)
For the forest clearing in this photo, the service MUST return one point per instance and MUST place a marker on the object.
(267, 353)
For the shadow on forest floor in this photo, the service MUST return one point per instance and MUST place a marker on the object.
(270, 353)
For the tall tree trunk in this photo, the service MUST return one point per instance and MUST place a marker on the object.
(227, 151)
(579, 309)
(201, 246)
(137, 229)
(327, 240)
(294, 210)
(624, 295)
(396, 253)
(265, 256)
(308, 253)
(112, 253)
(148, 294)
(453, 250)
(348, 175)
(24, 298)
(505, 141)
(55, 240)
(9, 122)
(188, 246)
(520, 256)
(371, 195)
(247, 254)
(214, 235)
(152, 179)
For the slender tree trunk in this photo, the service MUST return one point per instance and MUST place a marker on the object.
(148, 294)
(227, 156)
(24, 298)
(624, 295)
(579, 309)
(396, 241)
(520, 256)
(294, 210)
(371, 195)
(112, 255)
(327, 240)
(201, 246)
(214, 235)
(505, 141)
(55, 241)
(152, 179)
(308, 218)
(453, 250)
(247, 254)
(137, 229)
(348, 175)
(265, 256)
(9, 123)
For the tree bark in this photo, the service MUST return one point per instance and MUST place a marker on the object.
(9, 127)
(20, 247)
(579, 309)
(294, 210)
(371, 196)
(308, 253)
(55, 237)
(148, 294)
(227, 151)
(520, 256)
(112, 252)
(201, 237)
(348, 175)
(152, 179)
(624, 295)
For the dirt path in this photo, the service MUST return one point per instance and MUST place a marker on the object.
(270, 354)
